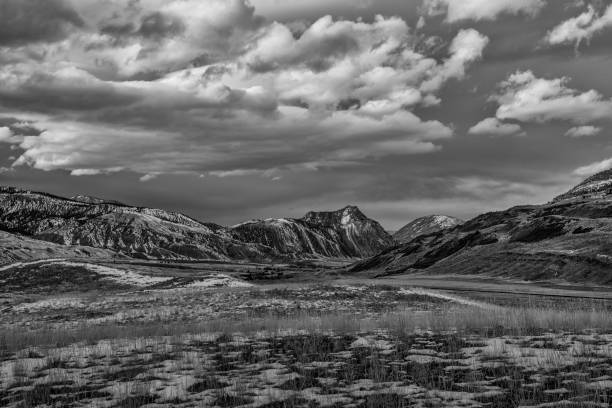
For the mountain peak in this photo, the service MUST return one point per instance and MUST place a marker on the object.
(343, 216)
(597, 186)
(351, 213)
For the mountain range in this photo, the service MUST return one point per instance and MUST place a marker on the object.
(569, 238)
(141, 232)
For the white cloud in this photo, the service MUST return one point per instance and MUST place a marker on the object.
(526, 98)
(593, 168)
(580, 28)
(85, 172)
(7, 136)
(482, 9)
(583, 131)
(210, 29)
(493, 127)
(466, 47)
(148, 177)
(230, 93)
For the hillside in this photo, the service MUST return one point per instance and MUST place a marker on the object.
(17, 248)
(425, 225)
(568, 240)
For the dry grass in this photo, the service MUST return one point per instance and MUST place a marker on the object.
(487, 322)
(297, 357)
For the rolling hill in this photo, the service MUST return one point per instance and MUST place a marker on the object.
(568, 239)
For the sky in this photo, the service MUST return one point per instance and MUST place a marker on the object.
(229, 110)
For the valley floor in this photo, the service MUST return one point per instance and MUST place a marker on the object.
(214, 339)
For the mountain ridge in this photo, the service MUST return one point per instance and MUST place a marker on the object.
(143, 232)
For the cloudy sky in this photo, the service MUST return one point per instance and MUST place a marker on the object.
(234, 109)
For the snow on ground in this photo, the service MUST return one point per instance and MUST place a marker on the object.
(119, 275)
(446, 296)
(51, 304)
(20, 264)
(218, 280)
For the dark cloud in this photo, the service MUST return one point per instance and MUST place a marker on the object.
(119, 29)
(158, 25)
(71, 90)
(25, 21)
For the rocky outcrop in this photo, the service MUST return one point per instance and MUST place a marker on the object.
(425, 225)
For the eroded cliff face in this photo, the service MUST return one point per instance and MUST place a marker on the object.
(342, 233)
(154, 233)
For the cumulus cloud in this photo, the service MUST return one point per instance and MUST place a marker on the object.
(465, 48)
(580, 28)
(192, 87)
(481, 9)
(494, 127)
(527, 98)
(583, 131)
(7, 136)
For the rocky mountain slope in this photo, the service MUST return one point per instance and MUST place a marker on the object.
(424, 226)
(594, 187)
(567, 239)
(343, 233)
(154, 233)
